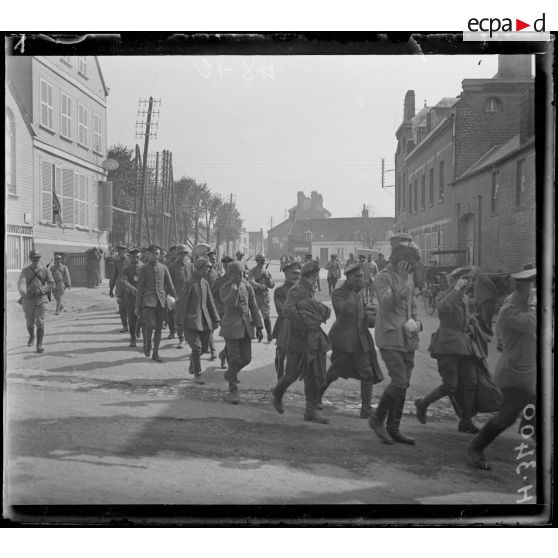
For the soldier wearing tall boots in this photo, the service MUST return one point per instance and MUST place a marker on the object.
(154, 284)
(120, 262)
(180, 270)
(62, 281)
(35, 284)
(215, 288)
(457, 363)
(307, 344)
(212, 276)
(397, 338)
(516, 370)
(292, 275)
(354, 353)
(130, 278)
(261, 282)
(196, 314)
(237, 327)
(333, 272)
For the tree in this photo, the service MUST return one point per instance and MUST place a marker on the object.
(228, 224)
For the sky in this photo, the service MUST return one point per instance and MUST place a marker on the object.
(263, 128)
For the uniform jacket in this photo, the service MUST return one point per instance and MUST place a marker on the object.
(241, 310)
(517, 328)
(212, 275)
(215, 288)
(333, 269)
(195, 308)
(130, 278)
(349, 332)
(261, 280)
(370, 271)
(180, 272)
(153, 285)
(35, 288)
(116, 279)
(452, 337)
(60, 274)
(396, 304)
(279, 297)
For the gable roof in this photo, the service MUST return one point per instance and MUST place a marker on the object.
(21, 108)
(106, 89)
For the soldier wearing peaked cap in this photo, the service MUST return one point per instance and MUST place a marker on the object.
(215, 288)
(180, 271)
(115, 283)
(400, 238)
(516, 370)
(130, 277)
(62, 280)
(35, 285)
(261, 282)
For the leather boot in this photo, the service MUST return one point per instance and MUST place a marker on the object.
(147, 341)
(376, 420)
(31, 339)
(422, 404)
(232, 396)
(366, 399)
(197, 369)
(156, 342)
(475, 450)
(40, 335)
(466, 424)
(394, 420)
(321, 393)
(123, 318)
(223, 358)
(267, 325)
(279, 365)
(132, 341)
(278, 392)
(311, 414)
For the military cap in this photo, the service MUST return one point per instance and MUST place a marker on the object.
(362, 256)
(34, 253)
(309, 268)
(172, 248)
(351, 268)
(460, 272)
(211, 253)
(239, 253)
(153, 248)
(201, 262)
(234, 265)
(291, 265)
(181, 249)
(525, 275)
(259, 257)
(226, 259)
(134, 251)
(400, 237)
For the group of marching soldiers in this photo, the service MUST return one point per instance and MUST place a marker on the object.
(194, 297)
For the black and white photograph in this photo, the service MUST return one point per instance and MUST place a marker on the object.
(245, 271)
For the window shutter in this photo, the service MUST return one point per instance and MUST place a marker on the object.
(46, 191)
(68, 196)
(105, 205)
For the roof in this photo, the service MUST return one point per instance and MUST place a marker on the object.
(446, 102)
(101, 76)
(342, 229)
(22, 110)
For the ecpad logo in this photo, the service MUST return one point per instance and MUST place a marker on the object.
(505, 25)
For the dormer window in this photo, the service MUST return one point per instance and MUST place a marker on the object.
(493, 104)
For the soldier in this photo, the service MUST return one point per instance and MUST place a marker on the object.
(93, 258)
(171, 256)
(180, 270)
(350, 261)
(196, 314)
(333, 272)
(237, 326)
(516, 370)
(307, 343)
(212, 276)
(130, 278)
(397, 338)
(120, 262)
(400, 238)
(380, 262)
(61, 277)
(35, 285)
(292, 275)
(154, 283)
(261, 282)
(370, 271)
(219, 282)
(354, 353)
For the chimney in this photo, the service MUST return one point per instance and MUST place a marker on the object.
(527, 116)
(409, 106)
(314, 200)
(300, 199)
(364, 211)
(514, 66)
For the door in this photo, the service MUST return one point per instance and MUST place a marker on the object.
(324, 256)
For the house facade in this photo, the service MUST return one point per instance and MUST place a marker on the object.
(443, 157)
(64, 100)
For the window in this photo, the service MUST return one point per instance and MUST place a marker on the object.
(46, 105)
(82, 65)
(494, 196)
(17, 248)
(82, 125)
(422, 192)
(65, 116)
(97, 133)
(81, 199)
(519, 181)
(441, 179)
(431, 187)
(94, 204)
(10, 153)
(403, 188)
(67, 196)
(67, 59)
(415, 196)
(308, 236)
(493, 105)
(410, 197)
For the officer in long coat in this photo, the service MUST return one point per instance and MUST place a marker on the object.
(238, 323)
(306, 343)
(261, 282)
(120, 262)
(154, 283)
(180, 271)
(62, 281)
(196, 314)
(516, 370)
(130, 278)
(93, 258)
(292, 275)
(354, 352)
(35, 284)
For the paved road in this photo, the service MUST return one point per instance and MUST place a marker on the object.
(93, 421)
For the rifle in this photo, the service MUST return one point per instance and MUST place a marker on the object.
(49, 263)
(268, 263)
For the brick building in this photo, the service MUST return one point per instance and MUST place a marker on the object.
(59, 187)
(456, 164)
